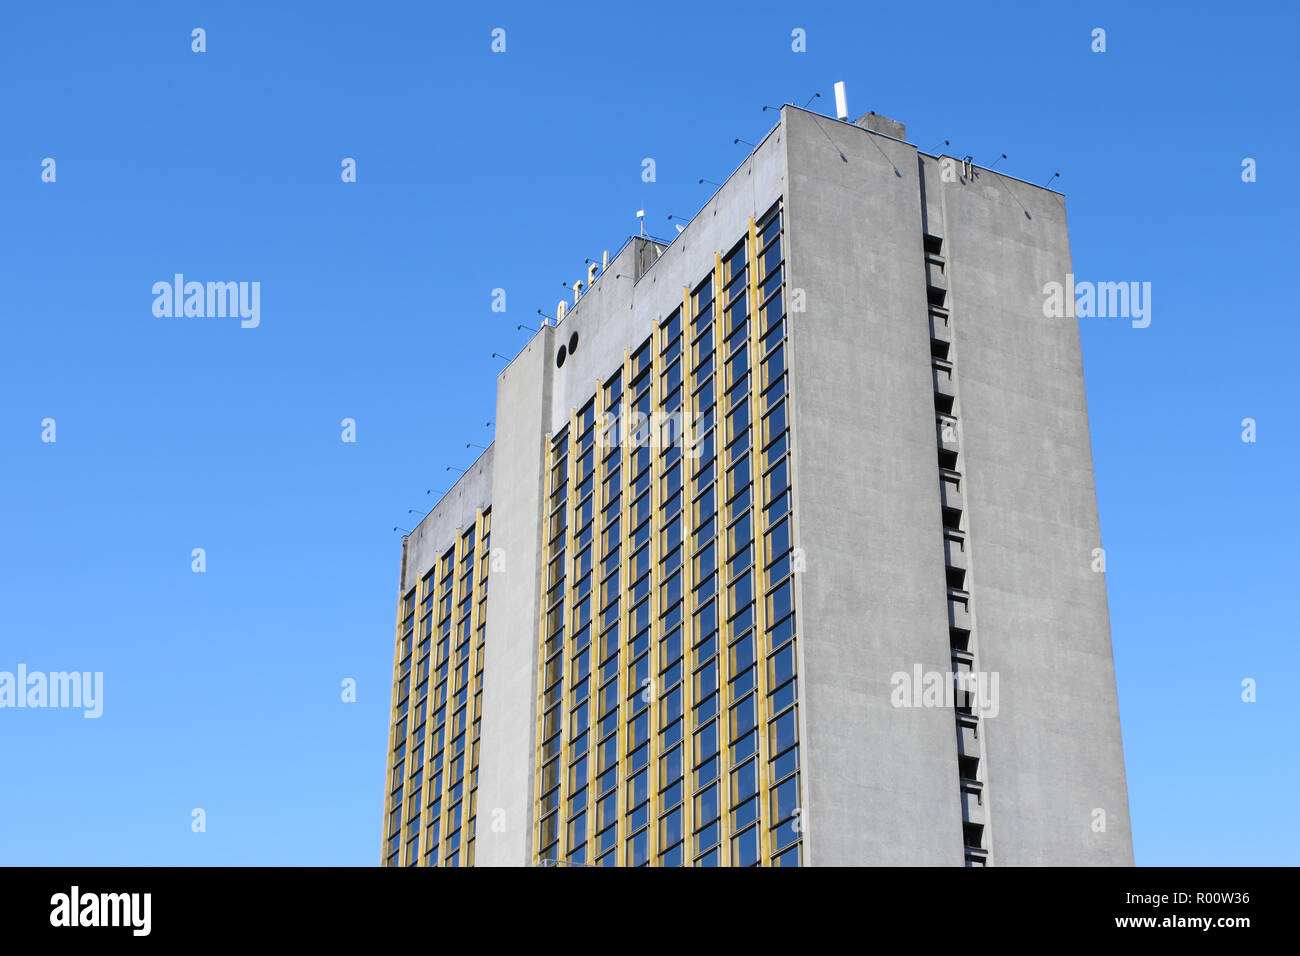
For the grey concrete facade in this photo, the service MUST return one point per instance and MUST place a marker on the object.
(437, 531)
(507, 743)
(865, 502)
(882, 784)
(1054, 751)
(881, 781)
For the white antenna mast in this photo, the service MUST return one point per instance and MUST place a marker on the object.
(841, 102)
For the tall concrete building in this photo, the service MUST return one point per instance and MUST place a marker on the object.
(784, 551)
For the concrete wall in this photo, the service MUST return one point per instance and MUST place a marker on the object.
(642, 285)
(506, 739)
(881, 783)
(430, 539)
(618, 313)
(452, 514)
(1054, 751)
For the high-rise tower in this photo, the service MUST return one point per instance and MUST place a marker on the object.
(783, 553)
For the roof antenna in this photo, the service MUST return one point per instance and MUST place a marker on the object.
(640, 215)
(814, 96)
(841, 102)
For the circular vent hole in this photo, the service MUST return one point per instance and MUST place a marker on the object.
(559, 357)
(573, 343)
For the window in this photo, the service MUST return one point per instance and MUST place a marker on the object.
(783, 732)
(699, 723)
(744, 848)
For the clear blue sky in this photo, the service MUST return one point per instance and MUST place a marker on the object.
(479, 170)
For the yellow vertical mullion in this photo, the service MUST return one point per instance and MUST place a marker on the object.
(594, 651)
(458, 556)
(471, 782)
(541, 653)
(720, 519)
(419, 775)
(435, 576)
(466, 555)
(406, 787)
(392, 739)
(756, 463)
(653, 436)
(433, 794)
(570, 585)
(431, 707)
(428, 754)
(624, 617)
(593, 657)
(597, 618)
(477, 588)
(462, 852)
(449, 728)
(406, 746)
(688, 582)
